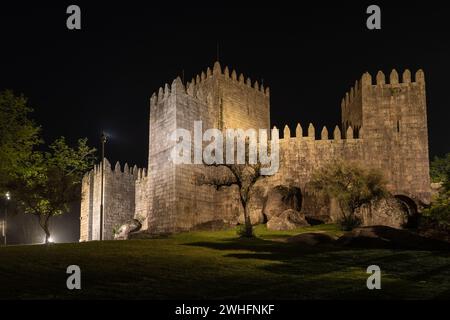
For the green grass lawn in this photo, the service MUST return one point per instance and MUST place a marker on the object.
(212, 265)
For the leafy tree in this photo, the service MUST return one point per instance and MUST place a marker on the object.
(50, 180)
(437, 216)
(18, 135)
(351, 185)
(440, 168)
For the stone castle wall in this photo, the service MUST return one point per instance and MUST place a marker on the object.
(141, 196)
(383, 126)
(86, 207)
(396, 132)
(118, 204)
(302, 153)
(161, 171)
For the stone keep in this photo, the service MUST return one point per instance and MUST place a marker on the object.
(383, 125)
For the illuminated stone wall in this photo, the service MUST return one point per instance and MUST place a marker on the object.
(119, 200)
(383, 126)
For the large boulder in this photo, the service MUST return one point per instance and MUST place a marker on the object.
(279, 224)
(387, 212)
(128, 227)
(280, 199)
(288, 220)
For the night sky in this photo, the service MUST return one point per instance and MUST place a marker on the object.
(101, 77)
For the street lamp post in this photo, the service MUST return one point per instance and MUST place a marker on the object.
(8, 197)
(103, 141)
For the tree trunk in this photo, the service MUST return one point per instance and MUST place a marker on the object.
(247, 222)
(43, 222)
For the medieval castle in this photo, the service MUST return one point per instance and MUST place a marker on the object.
(384, 125)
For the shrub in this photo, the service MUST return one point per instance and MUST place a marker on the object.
(438, 215)
(348, 223)
(351, 185)
(440, 168)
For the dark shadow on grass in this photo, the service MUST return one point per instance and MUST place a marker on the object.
(442, 269)
(275, 236)
(310, 261)
(384, 237)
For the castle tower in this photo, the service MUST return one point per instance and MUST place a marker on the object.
(219, 99)
(390, 117)
(118, 200)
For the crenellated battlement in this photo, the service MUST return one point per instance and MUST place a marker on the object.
(367, 80)
(380, 78)
(352, 95)
(134, 172)
(230, 76)
(198, 86)
(311, 133)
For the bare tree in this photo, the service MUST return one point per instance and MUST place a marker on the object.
(245, 177)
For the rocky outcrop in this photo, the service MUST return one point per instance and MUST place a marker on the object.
(280, 199)
(128, 227)
(290, 219)
(387, 212)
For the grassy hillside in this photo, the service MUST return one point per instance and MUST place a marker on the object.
(219, 265)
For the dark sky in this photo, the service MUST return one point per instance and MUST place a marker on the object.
(102, 76)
